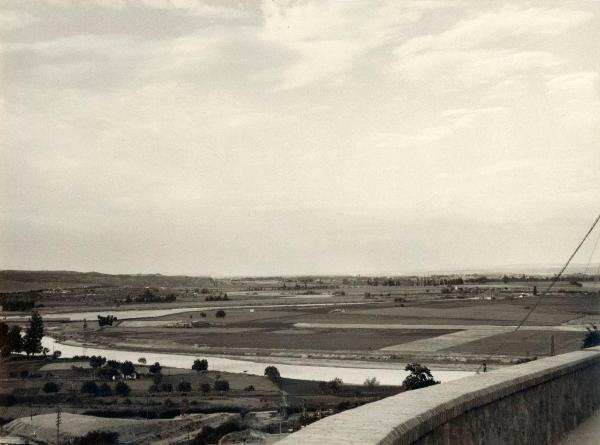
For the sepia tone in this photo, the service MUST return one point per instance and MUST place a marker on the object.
(299, 222)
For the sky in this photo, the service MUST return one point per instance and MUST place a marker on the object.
(297, 137)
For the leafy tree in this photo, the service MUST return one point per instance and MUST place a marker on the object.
(142, 360)
(56, 354)
(272, 374)
(184, 386)
(371, 383)
(592, 338)
(220, 313)
(419, 377)
(122, 389)
(127, 368)
(50, 387)
(97, 361)
(90, 388)
(113, 364)
(222, 385)
(15, 341)
(32, 343)
(155, 368)
(335, 385)
(200, 365)
(97, 438)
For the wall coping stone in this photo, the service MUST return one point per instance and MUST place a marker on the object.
(404, 418)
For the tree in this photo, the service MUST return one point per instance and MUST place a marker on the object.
(222, 385)
(272, 374)
(15, 341)
(50, 387)
(184, 386)
(127, 368)
(155, 368)
(200, 365)
(113, 364)
(371, 383)
(592, 338)
(3, 334)
(56, 354)
(122, 389)
(419, 377)
(220, 313)
(97, 361)
(90, 388)
(32, 342)
(534, 290)
(142, 360)
(335, 385)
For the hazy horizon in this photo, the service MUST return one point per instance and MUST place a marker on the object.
(286, 138)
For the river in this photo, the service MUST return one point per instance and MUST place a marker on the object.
(349, 374)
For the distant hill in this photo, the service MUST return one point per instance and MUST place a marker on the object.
(14, 280)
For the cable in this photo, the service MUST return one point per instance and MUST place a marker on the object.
(543, 294)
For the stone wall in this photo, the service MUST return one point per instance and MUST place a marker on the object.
(533, 403)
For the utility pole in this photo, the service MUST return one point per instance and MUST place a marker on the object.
(552, 347)
(58, 421)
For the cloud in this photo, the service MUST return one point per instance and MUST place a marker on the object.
(326, 39)
(11, 20)
(486, 47)
(575, 97)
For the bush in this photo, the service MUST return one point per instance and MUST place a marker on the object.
(97, 438)
(90, 388)
(220, 313)
(50, 387)
(127, 368)
(272, 374)
(184, 387)
(222, 385)
(249, 388)
(419, 377)
(155, 368)
(200, 365)
(122, 389)
(592, 338)
(371, 383)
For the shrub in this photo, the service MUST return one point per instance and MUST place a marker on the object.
(592, 338)
(249, 388)
(272, 374)
(155, 368)
(222, 385)
(97, 438)
(371, 383)
(200, 365)
(90, 388)
(122, 389)
(50, 387)
(220, 313)
(419, 377)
